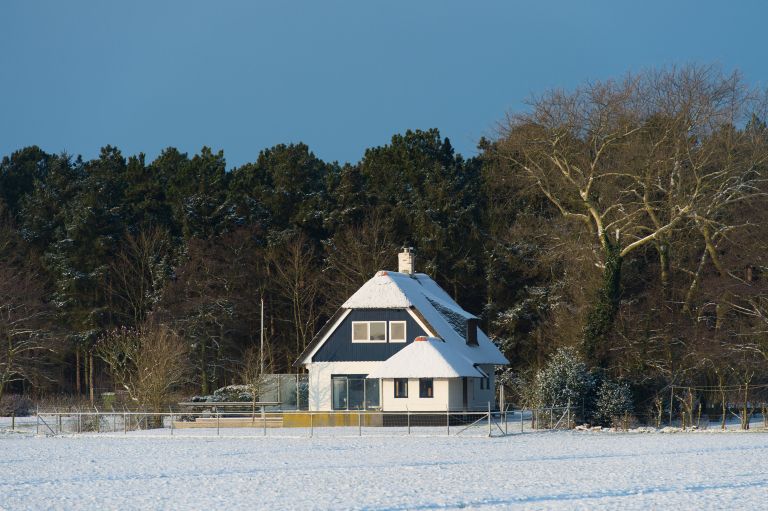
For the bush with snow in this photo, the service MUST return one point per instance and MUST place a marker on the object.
(614, 403)
(564, 380)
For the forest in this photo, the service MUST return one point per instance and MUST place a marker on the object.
(626, 220)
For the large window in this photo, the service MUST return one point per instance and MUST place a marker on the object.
(354, 392)
(426, 388)
(397, 331)
(401, 387)
(369, 331)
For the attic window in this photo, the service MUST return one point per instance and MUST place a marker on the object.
(369, 331)
(397, 331)
(471, 332)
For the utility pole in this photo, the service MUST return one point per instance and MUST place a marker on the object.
(261, 342)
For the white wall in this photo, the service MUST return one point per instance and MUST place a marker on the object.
(478, 398)
(320, 390)
(440, 390)
(447, 392)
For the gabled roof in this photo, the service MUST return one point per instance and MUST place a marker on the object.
(439, 314)
(426, 357)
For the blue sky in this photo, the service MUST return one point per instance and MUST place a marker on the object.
(340, 76)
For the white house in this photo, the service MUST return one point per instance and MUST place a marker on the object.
(401, 342)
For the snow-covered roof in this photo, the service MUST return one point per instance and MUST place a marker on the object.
(393, 290)
(426, 357)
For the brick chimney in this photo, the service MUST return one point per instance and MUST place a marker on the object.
(406, 261)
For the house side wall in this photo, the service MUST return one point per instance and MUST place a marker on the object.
(456, 400)
(320, 389)
(438, 403)
(339, 346)
(481, 397)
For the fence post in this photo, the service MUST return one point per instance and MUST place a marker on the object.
(264, 420)
(447, 421)
(311, 425)
(408, 416)
(37, 421)
(13, 420)
(217, 422)
(79, 422)
(521, 419)
(359, 423)
(506, 421)
(171, 409)
(114, 421)
(490, 431)
(125, 423)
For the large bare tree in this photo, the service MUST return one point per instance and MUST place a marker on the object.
(138, 273)
(25, 328)
(294, 266)
(633, 161)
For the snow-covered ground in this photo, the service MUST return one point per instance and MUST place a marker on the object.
(558, 470)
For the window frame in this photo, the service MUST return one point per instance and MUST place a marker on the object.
(423, 387)
(368, 330)
(404, 386)
(405, 332)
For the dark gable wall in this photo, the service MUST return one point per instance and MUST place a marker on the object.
(339, 346)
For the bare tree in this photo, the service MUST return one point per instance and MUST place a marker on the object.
(354, 254)
(295, 269)
(633, 161)
(256, 366)
(139, 272)
(148, 363)
(25, 332)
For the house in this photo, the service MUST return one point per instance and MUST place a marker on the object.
(400, 343)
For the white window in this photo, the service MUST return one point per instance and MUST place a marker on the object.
(359, 331)
(369, 331)
(397, 331)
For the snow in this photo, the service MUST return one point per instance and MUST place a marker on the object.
(380, 292)
(562, 470)
(430, 358)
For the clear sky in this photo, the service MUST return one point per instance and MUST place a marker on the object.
(340, 76)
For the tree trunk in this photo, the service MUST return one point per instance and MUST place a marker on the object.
(663, 249)
(77, 371)
(203, 370)
(90, 376)
(85, 372)
(601, 318)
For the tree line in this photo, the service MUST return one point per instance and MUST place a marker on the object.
(625, 219)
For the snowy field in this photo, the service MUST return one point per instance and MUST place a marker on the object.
(549, 470)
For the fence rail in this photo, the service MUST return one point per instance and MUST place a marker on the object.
(337, 423)
(286, 423)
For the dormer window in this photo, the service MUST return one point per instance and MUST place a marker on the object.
(397, 331)
(369, 331)
(471, 334)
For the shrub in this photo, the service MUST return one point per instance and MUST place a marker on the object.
(15, 404)
(614, 403)
(565, 379)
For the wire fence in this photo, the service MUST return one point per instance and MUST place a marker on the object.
(273, 424)
(217, 422)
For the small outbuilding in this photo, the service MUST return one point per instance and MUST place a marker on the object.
(401, 343)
